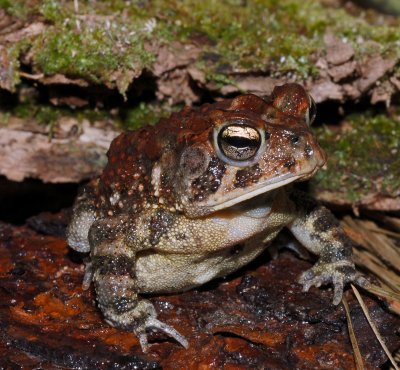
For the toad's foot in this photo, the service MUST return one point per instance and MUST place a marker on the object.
(338, 273)
(146, 317)
(88, 277)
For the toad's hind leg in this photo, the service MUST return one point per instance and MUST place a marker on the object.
(113, 265)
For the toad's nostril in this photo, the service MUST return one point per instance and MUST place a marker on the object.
(308, 150)
(295, 139)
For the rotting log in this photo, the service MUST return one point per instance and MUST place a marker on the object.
(257, 318)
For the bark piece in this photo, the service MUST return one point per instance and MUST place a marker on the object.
(383, 93)
(374, 202)
(59, 79)
(342, 71)
(326, 90)
(337, 51)
(176, 55)
(372, 70)
(253, 84)
(30, 30)
(26, 150)
(175, 86)
(174, 70)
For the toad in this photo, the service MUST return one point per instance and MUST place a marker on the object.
(198, 196)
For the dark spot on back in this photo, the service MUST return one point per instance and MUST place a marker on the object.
(159, 225)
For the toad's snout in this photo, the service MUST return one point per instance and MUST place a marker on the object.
(308, 156)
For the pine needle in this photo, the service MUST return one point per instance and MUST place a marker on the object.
(373, 327)
(356, 349)
(380, 292)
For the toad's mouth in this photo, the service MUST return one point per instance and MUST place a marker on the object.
(259, 189)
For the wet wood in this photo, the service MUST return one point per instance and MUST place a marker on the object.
(257, 318)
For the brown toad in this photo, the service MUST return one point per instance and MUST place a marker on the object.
(176, 200)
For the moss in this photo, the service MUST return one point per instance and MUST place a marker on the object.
(145, 114)
(219, 79)
(243, 37)
(4, 118)
(11, 73)
(126, 118)
(96, 49)
(364, 158)
(278, 37)
(43, 114)
(49, 115)
(16, 8)
(104, 42)
(54, 11)
(90, 53)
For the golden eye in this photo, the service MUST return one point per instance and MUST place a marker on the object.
(239, 142)
(312, 111)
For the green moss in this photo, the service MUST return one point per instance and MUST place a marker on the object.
(11, 69)
(145, 114)
(12, 77)
(219, 79)
(363, 159)
(54, 11)
(93, 48)
(4, 118)
(388, 6)
(49, 114)
(16, 8)
(91, 53)
(104, 42)
(279, 37)
(125, 118)
(260, 35)
(43, 114)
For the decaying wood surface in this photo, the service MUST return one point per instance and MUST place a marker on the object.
(257, 318)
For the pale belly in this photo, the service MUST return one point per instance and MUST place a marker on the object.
(228, 240)
(168, 273)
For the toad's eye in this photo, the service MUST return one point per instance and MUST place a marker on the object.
(239, 142)
(311, 112)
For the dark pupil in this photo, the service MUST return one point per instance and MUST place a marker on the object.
(312, 111)
(239, 142)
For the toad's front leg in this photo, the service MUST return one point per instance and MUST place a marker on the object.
(320, 232)
(113, 266)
